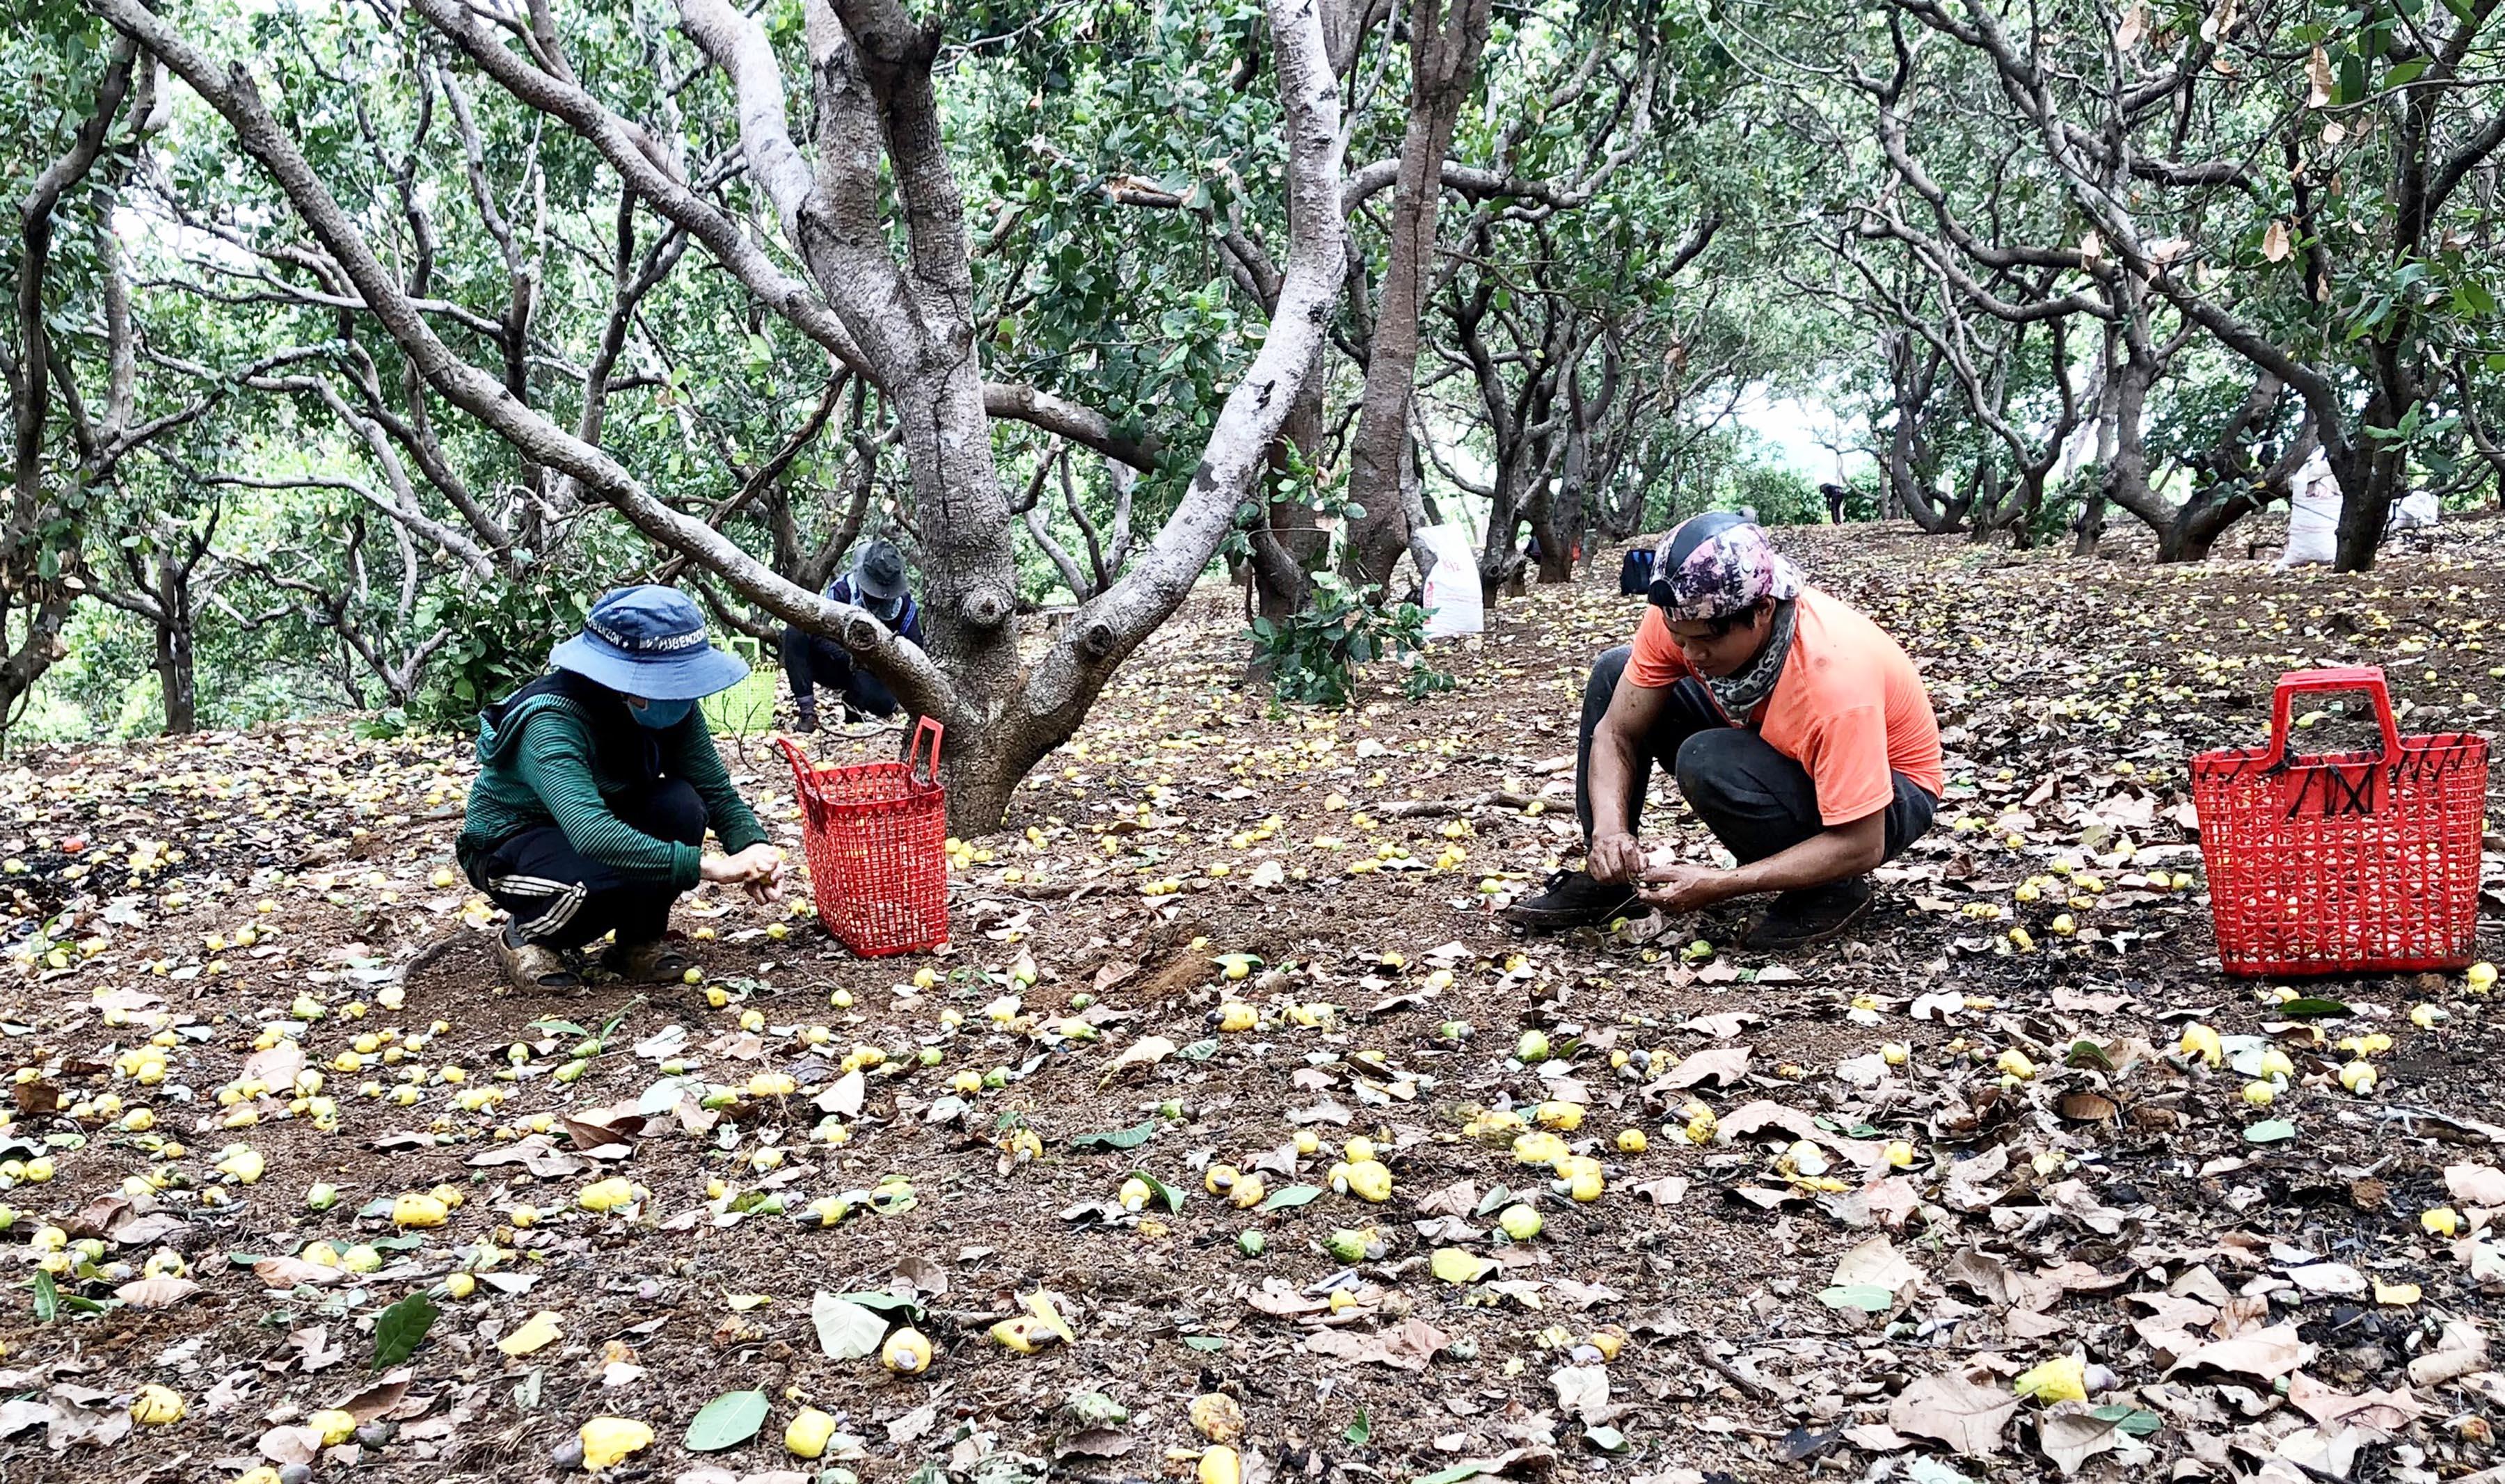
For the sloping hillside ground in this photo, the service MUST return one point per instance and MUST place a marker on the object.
(1855, 1264)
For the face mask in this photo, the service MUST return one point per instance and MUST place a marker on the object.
(660, 716)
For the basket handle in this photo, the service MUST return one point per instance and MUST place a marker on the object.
(803, 771)
(915, 764)
(2366, 678)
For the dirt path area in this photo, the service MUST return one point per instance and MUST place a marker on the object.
(1853, 1205)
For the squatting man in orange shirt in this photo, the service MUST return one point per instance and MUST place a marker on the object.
(1798, 732)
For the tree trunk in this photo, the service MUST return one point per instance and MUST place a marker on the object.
(2230, 487)
(1908, 490)
(1549, 526)
(2474, 422)
(2031, 500)
(1557, 519)
(1444, 46)
(2374, 474)
(2089, 528)
(1500, 559)
(176, 674)
(2366, 500)
(39, 536)
(1422, 513)
(44, 608)
(2187, 540)
(2126, 477)
(879, 223)
(1988, 515)
(1289, 543)
(2126, 480)
(2209, 516)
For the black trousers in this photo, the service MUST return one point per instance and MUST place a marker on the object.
(1756, 802)
(560, 900)
(811, 663)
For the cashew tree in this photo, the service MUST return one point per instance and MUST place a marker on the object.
(866, 253)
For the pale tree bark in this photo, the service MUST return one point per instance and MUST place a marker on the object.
(1445, 41)
(1982, 359)
(2472, 389)
(1284, 545)
(1103, 549)
(2230, 486)
(908, 321)
(647, 164)
(37, 594)
(1997, 273)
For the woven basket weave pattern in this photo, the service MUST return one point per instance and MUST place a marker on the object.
(876, 838)
(2349, 863)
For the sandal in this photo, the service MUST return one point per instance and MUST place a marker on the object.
(655, 960)
(531, 966)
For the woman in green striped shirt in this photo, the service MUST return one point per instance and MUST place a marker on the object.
(596, 785)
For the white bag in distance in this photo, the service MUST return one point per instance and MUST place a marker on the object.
(2312, 515)
(2416, 511)
(1453, 605)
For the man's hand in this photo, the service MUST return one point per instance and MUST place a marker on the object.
(1678, 887)
(1615, 858)
(759, 868)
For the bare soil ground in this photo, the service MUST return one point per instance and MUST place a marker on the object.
(2248, 1290)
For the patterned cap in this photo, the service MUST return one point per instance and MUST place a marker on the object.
(1717, 564)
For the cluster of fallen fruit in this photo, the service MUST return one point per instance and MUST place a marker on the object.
(1536, 1133)
(2239, 1079)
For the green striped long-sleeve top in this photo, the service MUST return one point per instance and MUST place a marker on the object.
(541, 762)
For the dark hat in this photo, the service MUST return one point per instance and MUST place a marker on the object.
(879, 573)
(648, 641)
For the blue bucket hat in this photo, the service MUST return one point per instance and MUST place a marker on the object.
(649, 641)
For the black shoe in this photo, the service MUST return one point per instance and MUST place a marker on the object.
(806, 721)
(1800, 919)
(1572, 899)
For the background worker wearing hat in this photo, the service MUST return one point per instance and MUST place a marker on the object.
(1798, 731)
(875, 582)
(596, 783)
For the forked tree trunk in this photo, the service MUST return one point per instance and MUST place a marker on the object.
(177, 675)
(2373, 471)
(896, 307)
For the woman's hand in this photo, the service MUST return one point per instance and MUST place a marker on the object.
(759, 868)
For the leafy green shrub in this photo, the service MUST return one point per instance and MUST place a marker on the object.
(1777, 495)
(501, 640)
(1314, 657)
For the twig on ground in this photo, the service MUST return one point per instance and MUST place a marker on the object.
(409, 967)
(1754, 1391)
(1437, 808)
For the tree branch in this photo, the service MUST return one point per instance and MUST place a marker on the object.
(916, 678)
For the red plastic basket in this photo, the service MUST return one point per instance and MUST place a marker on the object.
(2348, 862)
(876, 835)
